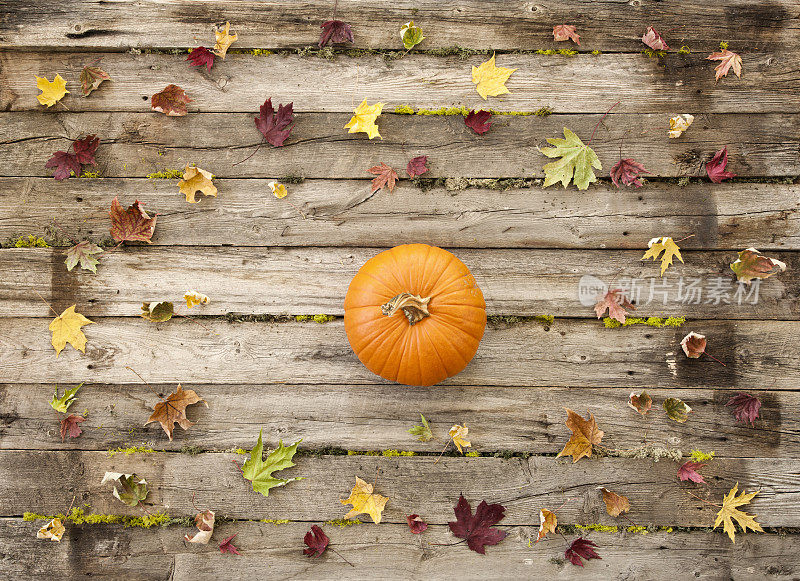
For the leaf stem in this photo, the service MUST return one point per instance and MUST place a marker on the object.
(340, 555)
(701, 500)
(45, 302)
(601, 120)
(714, 358)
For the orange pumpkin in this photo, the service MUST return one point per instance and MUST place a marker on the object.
(413, 314)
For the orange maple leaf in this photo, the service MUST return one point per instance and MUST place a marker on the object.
(585, 434)
(173, 410)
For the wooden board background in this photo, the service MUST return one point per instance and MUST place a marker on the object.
(264, 262)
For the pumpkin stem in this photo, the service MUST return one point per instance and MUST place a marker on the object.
(414, 307)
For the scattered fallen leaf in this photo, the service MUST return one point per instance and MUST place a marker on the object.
(727, 60)
(616, 303)
(585, 434)
(205, 525)
(172, 410)
(278, 190)
(66, 328)
(459, 435)
(694, 345)
(365, 500)
(417, 166)
(194, 298)
(201, 57)
(259, 471)
(416, 524)
(641, 403)
(196, 180)
(752, 264)
(746, 408)
(581, 547)
(628, 172)
(53, 92)
(157, 312)
(64, 163)
(477, 529)
(82, 253)
(688, 471)
(91, 77)
(275, 127)
(61, 404)
(224, 40)
(386, 177)
(478, 121)
(133, 224)
(616, 504)
(576, 160)
(666, 245)
(677, 409)
(566, 32)
(316, 540)
(716, 167)
(335, 31)
(422, 432)
(85, 149)
(654, 40)
(134, 490)
(490, 79)
(411, 35)
(547, 523)
(69, 425)
(363, 119)
(53, 531)
(170, 101)
(679, 124)
(729, 512)
(227, 546)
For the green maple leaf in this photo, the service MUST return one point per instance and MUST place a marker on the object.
(423, 432)
(259, 471)
(61, 404)
(82, 252)
(576, 163)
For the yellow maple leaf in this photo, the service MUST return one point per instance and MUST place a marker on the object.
(365, 500)
(728, 513)
(547, 523)
(666, 245)
(490, 80)
(66, 328)
(224, 40)
(363, 119)
(585, 434)
(196, 180)
(194, 298)
(278, 190)
(459, 434)
(51, 92)
(53, 530)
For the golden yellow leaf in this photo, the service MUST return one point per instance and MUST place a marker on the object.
(51, 92)
(679, 124)
(224, 40)
(66, 328)
(585, 433)
(53, 530)
(728, 513)
(364, 500)
(459, 434)
(548, 523)
(196, 180)
(490, 80)
(278, 190)
(666, 245)
(363, 119)
(194, 298)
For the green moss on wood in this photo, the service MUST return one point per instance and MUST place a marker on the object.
(78, 516)
(385, 453)
(657, 322)
(700, 456)
(168, 174)
(684, 50)
(276, 522)
(30, 242)
(292, 179)
(343, 522)
(130, 450)
(90, 174)
(598, 528)
(650, 53)
(316, 318)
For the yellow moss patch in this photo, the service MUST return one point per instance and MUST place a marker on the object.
(30, 242)
(78, 516)
(684, 50)
(472, 454)
(90, 174)
(650, 322)
(386, 453)
(598, 528)
(700, 456)
(273, 521)
(130, 450)
(168, 174)
(315, 318)
(343, 522)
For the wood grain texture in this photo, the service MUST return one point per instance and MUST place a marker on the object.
(112, 552)
(377, 418)
(575, 353)
(729, 216)
(315, 280)
(517, 24)
(583, 84)
(137, 144)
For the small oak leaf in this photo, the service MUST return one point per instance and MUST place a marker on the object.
(223, 40)
(365, 500)
(66, 328)
(196, 180)
(172, 410)
(52, 92)
(61, 404)
(490, 80)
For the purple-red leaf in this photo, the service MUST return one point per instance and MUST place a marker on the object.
(478, 121)
(417, 166)
(627, 171)
(688, 471)
(69, 425)
(65, 164)
(335, 31)
(201, 56)
(171, 101)
(477, 529)
(654, 40)
(416, 524)
(745, 408)
(317, 542)
(226, 546)
(84, 149)
(581, 547)
(716, 167)
(275, 127)
(133, 224)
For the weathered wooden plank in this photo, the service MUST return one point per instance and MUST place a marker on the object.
(377, 417)
(104, 552)
(605, 25)
(46, 482)
(572, 352)
(585, 84)
(137, 144)
(722, 216)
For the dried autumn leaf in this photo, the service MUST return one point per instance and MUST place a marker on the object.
(576, 163)
(459, 435)
(132, 224)
(275, 127)
(278, 190)
(585, 434)
(335, 31)
(226, 546)
(688, 471)
(170, 101)
(317, 542)
(65, 164)
(653, 39)
(478, 121)
(53, 92)
(677, 409)
(490, 80)
(547, 523)
(694, 345)
(53, 531)
(478, 529)
(259, 471)
(91, 77)
(204, 521)
(581, 547)
(363, 119)
(628, 172)
(729, 512)
(666, 245)
(82, 253)
(745, 408)
(416, 524)
(386, 177)
(641, 403)
(134, 490)
(411, 35)
(66, 328)
(223, 40)
(417, 166)
(196, 180)
(85, 149)
(194, 298)
(422, 432)
(172, 410)
(157, 312)
(716, 167)
(679, 124)
(365, 500)
(201, 57)
(616, 303)
(61, 404)
(566, 32)
(752, 264)
(616, 504)
(69, 425)
(727, 60)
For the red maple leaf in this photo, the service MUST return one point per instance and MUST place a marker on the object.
(477, 529)
(416, 524)
(201, 56)
(688, 471)
(627, 171)
(226, 546)
(417, 166)
(745, 408)
(133, 224)
(84, 149)
(317, 542)
(274, 127)
(616, 303)
(716, 167)
(478, 121)
(566, 32)
(65, 164)
(654, 40)
(171, 101)
(386, 177)
(581, 547)
(335, 31)
(70, 425)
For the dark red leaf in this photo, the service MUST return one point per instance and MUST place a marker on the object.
(417, 166)
(745, 408)
(627, 171)
(386, 177)
(317, 542)
(478, 122)
(171, 101)
(70, 425)
(335, 31)
(274, 127)
(716, 167)
(477, 529)
(581, 547)
(64, 164)
(226, 546)
(84, 149)
(688, 471)
(132, 224)
(416, 524)
(201, 56)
